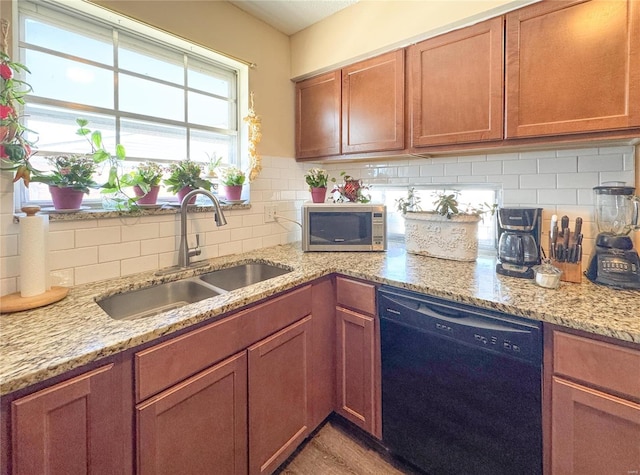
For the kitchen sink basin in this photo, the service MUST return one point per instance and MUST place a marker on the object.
(243, 275)
(156, 299)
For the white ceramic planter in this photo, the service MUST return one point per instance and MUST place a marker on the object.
(430, 234)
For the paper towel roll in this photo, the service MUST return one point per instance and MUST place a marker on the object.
(34, 255)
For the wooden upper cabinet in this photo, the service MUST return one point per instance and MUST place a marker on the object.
(373, 104)
(456, 86)
(318, 116)
(573, 67)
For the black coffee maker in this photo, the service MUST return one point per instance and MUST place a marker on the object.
(519, 231)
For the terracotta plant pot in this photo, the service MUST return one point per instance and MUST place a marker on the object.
(147, 199)
(182, 193)
(232, 193)
(318, 195)
(66, 198)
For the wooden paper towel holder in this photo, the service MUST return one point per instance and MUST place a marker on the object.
(17, 303)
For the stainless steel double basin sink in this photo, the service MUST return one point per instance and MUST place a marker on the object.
(171, 295)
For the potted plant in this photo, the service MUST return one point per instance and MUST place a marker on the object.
(145, 180)
(232, 179)
(317, 179)
(15, 148)
(352, 190)
(448, 232)
(71, 177)
(184, 176)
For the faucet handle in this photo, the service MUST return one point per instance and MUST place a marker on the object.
(197, 240)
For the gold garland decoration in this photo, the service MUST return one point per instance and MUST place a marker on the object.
(253, 121)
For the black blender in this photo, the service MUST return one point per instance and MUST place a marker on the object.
(519, 231)
(614, 262)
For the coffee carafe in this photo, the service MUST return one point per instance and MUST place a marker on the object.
(519, 231)
(614, 262)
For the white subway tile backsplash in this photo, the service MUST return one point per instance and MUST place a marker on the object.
(560, 181)
(81, 256)
(59, 240)
(578, 180)
(537, 181)
(10, 266)
(115, 252)
(160, 245)
(451, 169)
(493, 167)
(138, 264)
(141, 231)
(519, 197)
(558, 165)
(518, 167)
(600, 163)
(557, 197)
(9, 245)
(97, 236)
(94, 273)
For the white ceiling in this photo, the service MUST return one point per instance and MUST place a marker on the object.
(291, 16)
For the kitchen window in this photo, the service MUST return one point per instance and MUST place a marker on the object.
(161, 97)
(469, 194)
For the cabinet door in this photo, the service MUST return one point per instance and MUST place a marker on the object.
(573, 67)
(278, 396)
(322, 388)
(318, 116)
(456, 86)
(355, 372)
(199, 426)
(74, 427)
(593, 433)
(373, 104)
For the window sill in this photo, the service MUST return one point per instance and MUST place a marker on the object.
(99, 213)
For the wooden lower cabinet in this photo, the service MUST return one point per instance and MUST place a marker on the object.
(355, 371)
(199, 426)
(278, 396)
(593, 433)
(74, 427)
(592, 405)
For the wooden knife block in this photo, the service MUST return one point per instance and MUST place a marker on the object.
(571, 271)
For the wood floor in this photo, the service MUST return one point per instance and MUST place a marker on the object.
(334, 451)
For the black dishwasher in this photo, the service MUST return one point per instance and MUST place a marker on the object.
(461, 386)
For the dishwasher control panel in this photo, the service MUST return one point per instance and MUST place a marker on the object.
(494, 331)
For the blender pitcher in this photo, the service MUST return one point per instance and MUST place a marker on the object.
(614, 262)
(616, 209)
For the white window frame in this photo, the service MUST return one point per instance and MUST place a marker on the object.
(80, 9)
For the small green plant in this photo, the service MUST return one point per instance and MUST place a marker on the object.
(214, 163)
(445, 204)
(232, 176)
(145, 175)
(185, 173)
(410, 203)
(69, 171)
(100, 155)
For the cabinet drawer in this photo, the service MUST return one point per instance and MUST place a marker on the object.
(608, 366)
(163, 365)
(356, 295)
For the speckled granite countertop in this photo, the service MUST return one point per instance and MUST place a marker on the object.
(42, 343)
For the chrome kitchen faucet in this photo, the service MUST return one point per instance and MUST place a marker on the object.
(184, 252)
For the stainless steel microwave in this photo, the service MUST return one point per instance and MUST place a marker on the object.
(344, 227)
